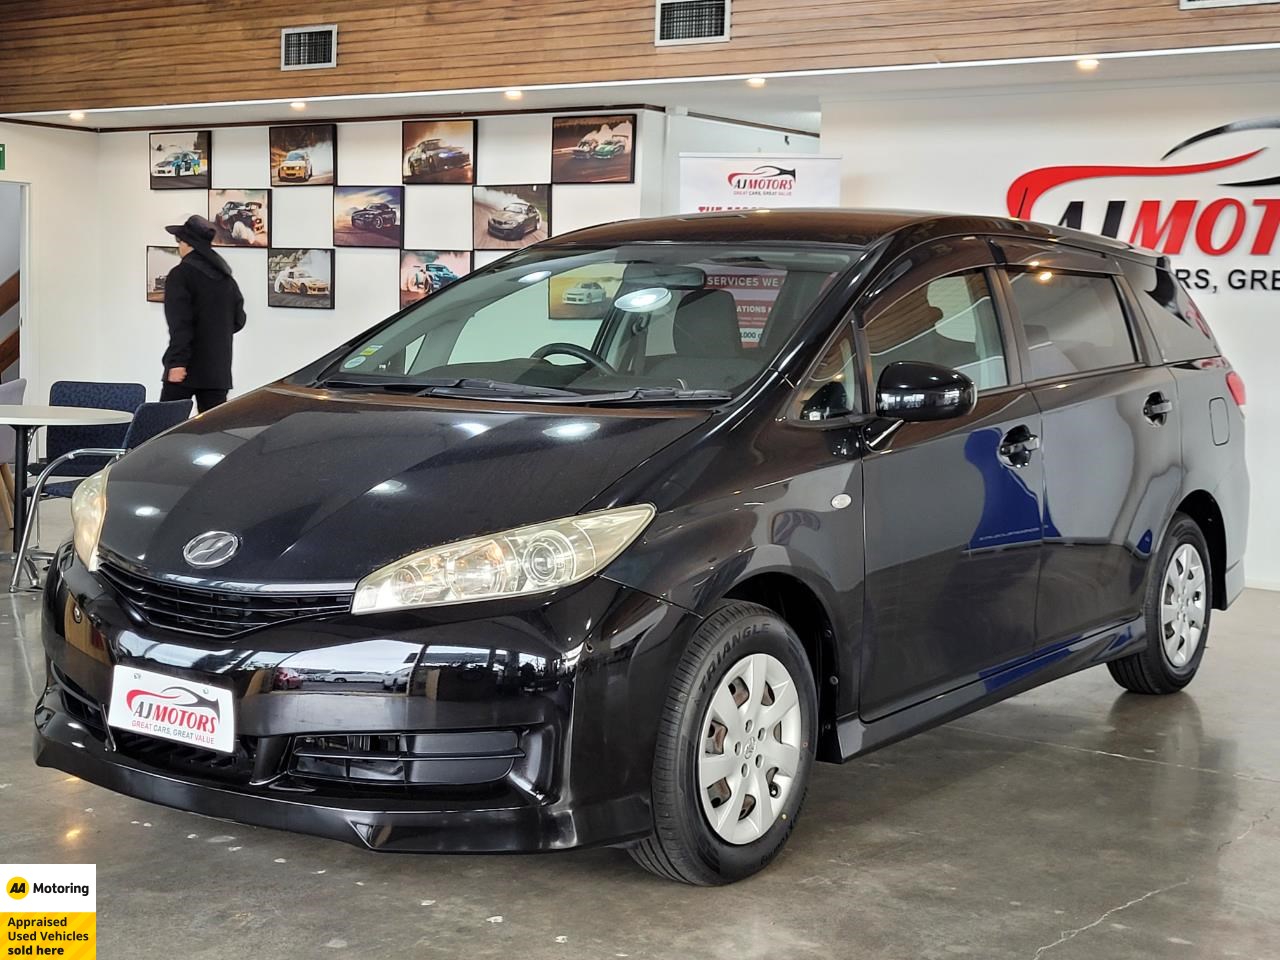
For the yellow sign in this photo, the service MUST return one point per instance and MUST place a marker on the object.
(51, 911)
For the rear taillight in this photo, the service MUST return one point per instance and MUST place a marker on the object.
(1235, 383)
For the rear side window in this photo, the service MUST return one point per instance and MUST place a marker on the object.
(1179, 328)
(1074, 323)
(949, 321)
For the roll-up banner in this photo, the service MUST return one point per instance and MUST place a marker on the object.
(751, 181)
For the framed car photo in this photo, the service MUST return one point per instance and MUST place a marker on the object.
(597, 149)
(180, 160)
(242, 217)
(438, 151)
(160, 260)
(510, 217)
(304, 155)
(300, 277)
(423, 272)
(368, 216)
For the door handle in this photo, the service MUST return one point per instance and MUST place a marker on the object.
(1018, 445)
(1157, 408)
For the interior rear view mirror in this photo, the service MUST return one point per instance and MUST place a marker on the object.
(917, 391)
(671, 276)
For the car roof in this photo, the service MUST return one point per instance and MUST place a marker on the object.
(838, 226)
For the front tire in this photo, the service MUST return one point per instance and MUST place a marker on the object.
(1178, 604)
(734, 752)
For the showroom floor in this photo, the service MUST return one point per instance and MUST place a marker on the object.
(1072, 823)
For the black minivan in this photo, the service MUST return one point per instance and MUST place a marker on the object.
(514, 573)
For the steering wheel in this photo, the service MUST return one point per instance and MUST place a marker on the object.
(573, 350)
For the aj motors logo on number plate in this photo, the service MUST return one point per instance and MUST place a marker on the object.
(172, 708)
(211, 549)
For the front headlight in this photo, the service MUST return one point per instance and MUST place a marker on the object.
(88, 511)
(525, 560)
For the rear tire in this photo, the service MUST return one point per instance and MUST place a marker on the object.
(1177, 608)
(742, 698)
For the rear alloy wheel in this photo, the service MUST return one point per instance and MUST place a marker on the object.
(735, 748)
(1178, 603)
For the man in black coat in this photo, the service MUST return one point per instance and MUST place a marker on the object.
(205, 309)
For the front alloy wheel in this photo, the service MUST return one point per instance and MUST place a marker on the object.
(734, 749)
(750, 750)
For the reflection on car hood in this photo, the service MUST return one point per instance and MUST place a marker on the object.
(324, 487)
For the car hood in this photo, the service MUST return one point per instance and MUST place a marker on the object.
(323, 488)
(505, 220)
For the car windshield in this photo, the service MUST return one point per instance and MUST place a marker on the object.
(671, 320)
(514, 208)
(296, 155)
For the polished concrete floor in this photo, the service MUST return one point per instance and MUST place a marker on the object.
(1073, 823)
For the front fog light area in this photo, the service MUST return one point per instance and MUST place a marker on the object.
(522, 561)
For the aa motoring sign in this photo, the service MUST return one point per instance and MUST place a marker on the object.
(1211, 201)
(721, 181)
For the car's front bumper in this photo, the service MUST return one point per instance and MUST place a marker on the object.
(293, 173)
(529, 729)
(514, 232)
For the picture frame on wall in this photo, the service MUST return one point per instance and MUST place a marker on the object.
(304, 155)
(594, 149)
(300, 277)
(423, 272)
(510, 217)
(160, 260)
(180, 159)
(438, 151)
(368, 216)
(242, 217)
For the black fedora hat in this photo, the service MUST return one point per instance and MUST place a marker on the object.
(197, 231)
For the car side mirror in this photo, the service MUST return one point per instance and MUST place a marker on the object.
(916, 391)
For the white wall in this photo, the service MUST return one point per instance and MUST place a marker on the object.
(64, 313)
(962, 152)
(511, 150)
(686, 134)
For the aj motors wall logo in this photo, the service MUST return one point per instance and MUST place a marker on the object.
(1232, 221)
(767, 180)
(174, 707)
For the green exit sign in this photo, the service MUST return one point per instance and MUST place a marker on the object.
(1, 156)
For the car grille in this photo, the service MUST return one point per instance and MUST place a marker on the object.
(191, 761)
(218, 613)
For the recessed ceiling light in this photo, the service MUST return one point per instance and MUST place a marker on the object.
(756, 82)
(297, 105)
(514, 94)
(76, 115)
(1088, 64)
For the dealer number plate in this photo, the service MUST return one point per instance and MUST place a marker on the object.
(185, 711)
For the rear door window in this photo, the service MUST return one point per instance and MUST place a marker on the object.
(1074, 323)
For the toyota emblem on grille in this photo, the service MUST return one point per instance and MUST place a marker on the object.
(211, 549)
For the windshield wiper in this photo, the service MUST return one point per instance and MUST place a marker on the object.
(448, 387)
(661, 395)
(504, 388)
(386, 383)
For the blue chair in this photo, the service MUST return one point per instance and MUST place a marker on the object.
(149, 420)
(87, 393)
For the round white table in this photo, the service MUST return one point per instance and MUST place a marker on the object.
(26, 419)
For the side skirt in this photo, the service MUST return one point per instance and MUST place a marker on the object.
(1070, 656)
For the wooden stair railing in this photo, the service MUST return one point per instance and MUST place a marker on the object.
(10, 291)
